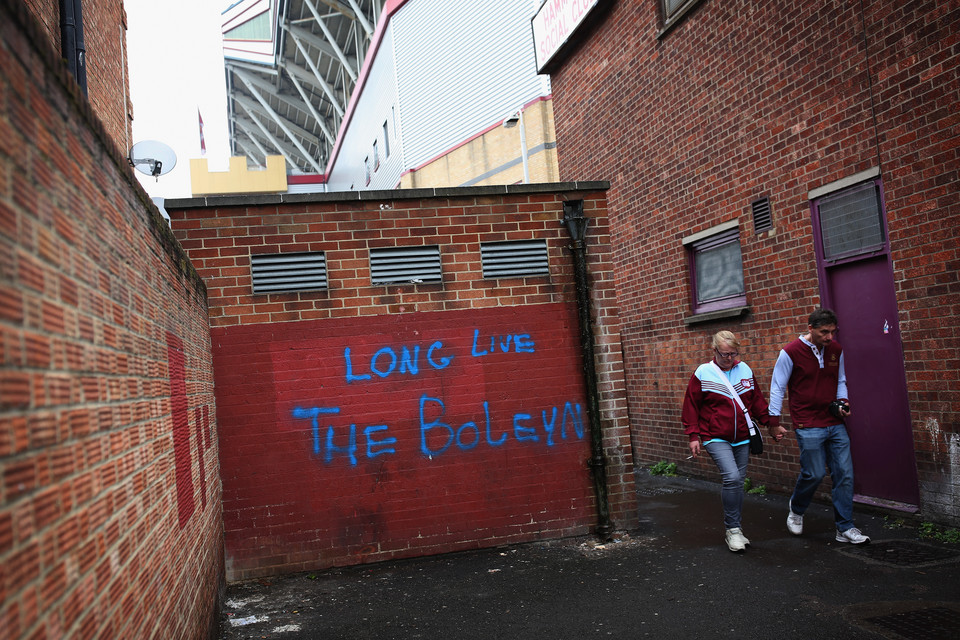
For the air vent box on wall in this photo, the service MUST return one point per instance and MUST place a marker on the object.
(289, 272)
(514, 259)
(762, 216)
(405, 265)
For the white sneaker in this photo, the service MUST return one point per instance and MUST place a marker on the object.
(795, 522)
(735, 540)
(852, 535)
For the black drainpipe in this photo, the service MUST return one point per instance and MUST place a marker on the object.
(576, 224)
(71, 41)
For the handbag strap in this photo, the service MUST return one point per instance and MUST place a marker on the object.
(736, 396)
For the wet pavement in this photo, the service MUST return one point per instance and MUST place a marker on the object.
(670, 577)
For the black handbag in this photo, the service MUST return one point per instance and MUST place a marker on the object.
(756, 440)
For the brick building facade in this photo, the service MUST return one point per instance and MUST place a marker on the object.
(745, 123)
(105, 39)
(362, 418)
(110, 518)
(450, 415)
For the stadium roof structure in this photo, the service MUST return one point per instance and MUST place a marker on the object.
(291, 67)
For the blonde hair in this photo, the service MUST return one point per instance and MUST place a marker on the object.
(726, 337)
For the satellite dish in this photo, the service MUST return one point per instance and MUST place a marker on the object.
(152, 158)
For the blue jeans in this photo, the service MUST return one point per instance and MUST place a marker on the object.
(822, 447)
(732, 463)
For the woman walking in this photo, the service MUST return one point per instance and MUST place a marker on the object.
(713, 420)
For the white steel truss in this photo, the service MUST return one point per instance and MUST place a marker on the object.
(294, 105)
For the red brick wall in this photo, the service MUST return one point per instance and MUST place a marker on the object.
(105, 40)
(291, 501)
(340, 447)
(110, 522)
(108, 79)
(47, 15)
(915, 63)
(743, 100)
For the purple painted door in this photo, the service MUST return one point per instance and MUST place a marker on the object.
(857, 283)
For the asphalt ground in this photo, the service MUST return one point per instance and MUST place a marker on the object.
(671, 576)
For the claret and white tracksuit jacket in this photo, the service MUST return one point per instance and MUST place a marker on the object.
(709, 411)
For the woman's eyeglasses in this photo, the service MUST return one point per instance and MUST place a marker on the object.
(732, 354)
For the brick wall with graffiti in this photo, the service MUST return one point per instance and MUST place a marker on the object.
(110, 520)
(361, 421)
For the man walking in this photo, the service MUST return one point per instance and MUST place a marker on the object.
(811, 369)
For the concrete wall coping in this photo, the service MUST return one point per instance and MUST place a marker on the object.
(388, 194)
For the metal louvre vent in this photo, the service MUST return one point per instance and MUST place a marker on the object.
(762, 217)
(286, 272)
(402, 265)
(514, 259)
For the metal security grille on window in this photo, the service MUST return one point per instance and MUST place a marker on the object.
(719, 267)
(289, 272)
(404, 265)
(514, 259)
(673, 7)
(851, 222)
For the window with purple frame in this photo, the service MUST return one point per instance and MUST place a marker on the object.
(716, 271)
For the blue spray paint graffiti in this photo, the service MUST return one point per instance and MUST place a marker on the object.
(521, 344)
(466, 436)
(390, 360)
(384, 362)
(521, 432)
(374, 447)
(437, 436)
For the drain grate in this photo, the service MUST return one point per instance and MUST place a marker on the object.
(935, 623)
(649, 492)
(903, 553)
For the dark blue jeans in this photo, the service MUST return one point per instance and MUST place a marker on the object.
(820, 448)
(732, 462)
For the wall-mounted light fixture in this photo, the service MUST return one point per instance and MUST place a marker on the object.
(511, 121)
